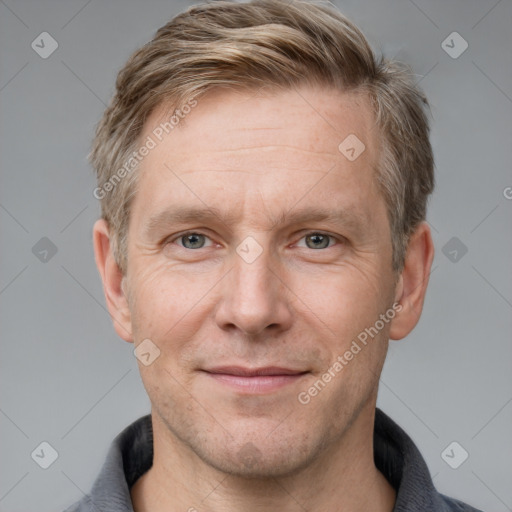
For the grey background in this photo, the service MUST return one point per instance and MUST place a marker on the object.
(67, 379)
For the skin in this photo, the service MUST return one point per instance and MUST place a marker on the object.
(256, 156)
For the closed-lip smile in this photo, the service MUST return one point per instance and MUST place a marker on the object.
(254, 380)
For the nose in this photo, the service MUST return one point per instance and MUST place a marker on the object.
(255, 298)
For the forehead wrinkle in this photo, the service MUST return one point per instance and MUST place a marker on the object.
(256, 173)
(271, 147)
(324, 161)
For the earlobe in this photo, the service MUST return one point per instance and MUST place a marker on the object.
(112, 278)
(412, 284)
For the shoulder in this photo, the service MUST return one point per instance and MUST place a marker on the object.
(453, 505)
(84, 505)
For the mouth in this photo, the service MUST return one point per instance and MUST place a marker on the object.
(254, 380)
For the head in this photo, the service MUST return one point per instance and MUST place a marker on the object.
(242, 111)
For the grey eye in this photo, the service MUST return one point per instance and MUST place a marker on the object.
(193, 240)
(317, 241)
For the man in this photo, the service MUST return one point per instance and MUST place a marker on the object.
(263, 181)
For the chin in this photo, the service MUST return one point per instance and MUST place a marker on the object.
(273, 445)
(260, 458)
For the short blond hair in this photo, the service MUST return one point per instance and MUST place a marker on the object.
(248, 46)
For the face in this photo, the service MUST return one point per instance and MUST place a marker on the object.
(257, 253)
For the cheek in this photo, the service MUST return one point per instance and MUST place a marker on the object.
(171, 309)
(342, 301)
(163, 296)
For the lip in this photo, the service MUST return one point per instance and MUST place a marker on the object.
(254, 380)
(253, 372)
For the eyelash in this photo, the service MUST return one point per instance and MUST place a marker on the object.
(181, 235)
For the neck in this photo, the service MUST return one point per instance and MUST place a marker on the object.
(343, 477)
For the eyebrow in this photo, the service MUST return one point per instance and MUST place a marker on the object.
(187, 214)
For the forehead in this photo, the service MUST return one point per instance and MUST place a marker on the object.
(239, 145)
(311, 119)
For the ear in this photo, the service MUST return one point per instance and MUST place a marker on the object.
(112, 278)
(413, 281)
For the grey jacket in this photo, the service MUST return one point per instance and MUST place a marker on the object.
(395, 454)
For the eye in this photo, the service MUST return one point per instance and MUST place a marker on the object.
(192, 240)
(316, 240)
